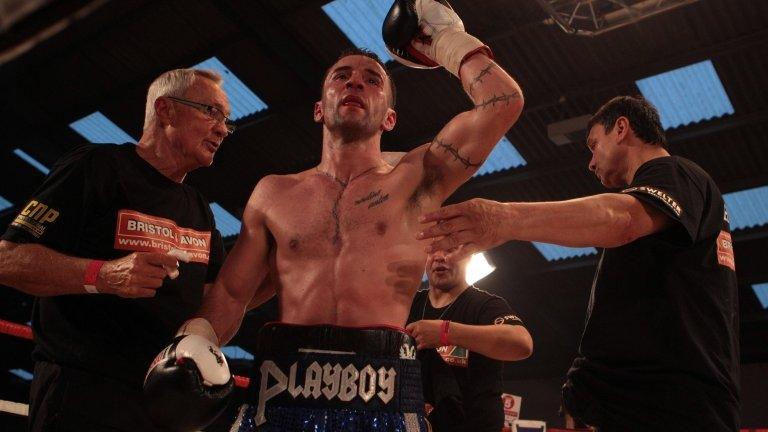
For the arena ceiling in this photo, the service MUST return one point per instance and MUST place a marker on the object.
(62, 61)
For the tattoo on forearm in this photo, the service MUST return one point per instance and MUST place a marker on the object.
(479, 78)
(502, 98)
(449, 148)
(375, 199)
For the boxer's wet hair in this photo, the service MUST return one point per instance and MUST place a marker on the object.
(642, 115)
(366, 53)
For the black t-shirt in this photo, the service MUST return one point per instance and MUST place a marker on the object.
(660, 345)
(104, 202)
(453, 373)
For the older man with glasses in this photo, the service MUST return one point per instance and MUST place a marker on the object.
(211, 111)
(99, 245)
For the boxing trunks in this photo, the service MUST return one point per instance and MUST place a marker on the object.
(334, 379)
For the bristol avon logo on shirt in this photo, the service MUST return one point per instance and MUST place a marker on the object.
(137, 231)
(329, 381)
(725, 250)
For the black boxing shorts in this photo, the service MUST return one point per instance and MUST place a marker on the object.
(329, 379)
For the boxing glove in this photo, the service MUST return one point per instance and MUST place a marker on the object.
(427, 34)
(188, 384)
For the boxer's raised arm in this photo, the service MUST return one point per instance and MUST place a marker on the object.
(244, 269)
(462, 146)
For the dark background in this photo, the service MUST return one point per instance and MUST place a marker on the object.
(67, 59)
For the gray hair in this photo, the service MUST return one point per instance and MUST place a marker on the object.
(174, 83)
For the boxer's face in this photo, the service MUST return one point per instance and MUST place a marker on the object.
(194, 135)
(443, 275)
(609, 155)
(355, 100)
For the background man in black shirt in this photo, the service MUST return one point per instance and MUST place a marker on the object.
(660, 347)
(92, 245)
(463, 335)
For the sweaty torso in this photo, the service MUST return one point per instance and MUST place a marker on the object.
(346, 254)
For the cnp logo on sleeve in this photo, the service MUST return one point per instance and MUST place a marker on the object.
(35, 218)
(140, 232)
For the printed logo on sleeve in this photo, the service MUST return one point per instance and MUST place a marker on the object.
(454, 355)
(660, 195)
(506, 318)
(725, 250)
(35, 218)
(140, 232)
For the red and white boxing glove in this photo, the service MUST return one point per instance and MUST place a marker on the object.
(427, 33)
(188, 384)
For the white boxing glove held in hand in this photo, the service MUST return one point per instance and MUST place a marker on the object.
(188, 384)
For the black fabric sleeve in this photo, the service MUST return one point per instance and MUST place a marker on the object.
(497, 311)
(664, 184)
(55, 214)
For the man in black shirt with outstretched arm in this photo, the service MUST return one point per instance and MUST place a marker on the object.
(660, 347)
(463, 335)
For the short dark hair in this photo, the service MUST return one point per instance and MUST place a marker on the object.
(366, 53)
(643, 118)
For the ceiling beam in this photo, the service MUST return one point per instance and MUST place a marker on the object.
(589, 85)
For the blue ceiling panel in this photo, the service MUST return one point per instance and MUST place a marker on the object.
(687, 95)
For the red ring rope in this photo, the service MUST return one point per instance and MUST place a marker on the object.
(25, 332)
(13, 329)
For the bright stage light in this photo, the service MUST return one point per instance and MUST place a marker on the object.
(478, 268)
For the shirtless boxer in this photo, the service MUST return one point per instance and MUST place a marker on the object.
(339, 239)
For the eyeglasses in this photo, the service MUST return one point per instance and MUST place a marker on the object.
(211, 111)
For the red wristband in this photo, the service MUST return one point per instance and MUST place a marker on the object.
(444, 333)
(91, 274)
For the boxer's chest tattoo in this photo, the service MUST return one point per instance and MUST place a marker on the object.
(373, 199)
(345, 214)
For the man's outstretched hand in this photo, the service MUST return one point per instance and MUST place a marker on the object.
(473, 224)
